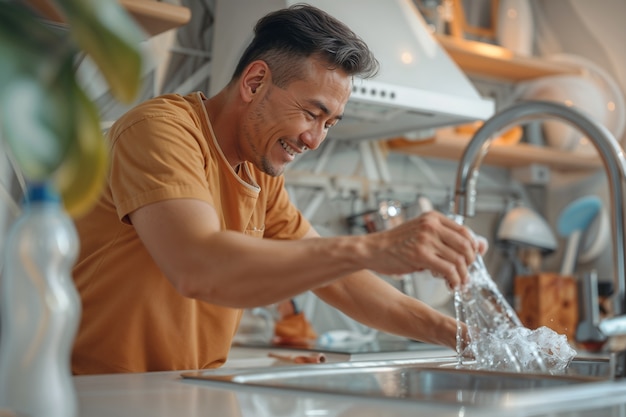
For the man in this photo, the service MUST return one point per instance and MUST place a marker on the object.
(195, 223)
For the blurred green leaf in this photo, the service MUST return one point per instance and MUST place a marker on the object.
(81, 177)
(107, 33)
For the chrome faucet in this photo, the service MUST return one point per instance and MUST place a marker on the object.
(614, 161)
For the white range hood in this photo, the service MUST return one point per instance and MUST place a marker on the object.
(418, 87)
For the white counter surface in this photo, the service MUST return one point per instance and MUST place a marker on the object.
(166, 394)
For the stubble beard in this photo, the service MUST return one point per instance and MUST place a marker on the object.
(261, 161)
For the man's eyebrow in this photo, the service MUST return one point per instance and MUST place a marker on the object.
(323, 108)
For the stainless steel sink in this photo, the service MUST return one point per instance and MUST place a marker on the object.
(594, 366)
(433, 380)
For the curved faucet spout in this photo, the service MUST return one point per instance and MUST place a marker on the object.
(608, 148)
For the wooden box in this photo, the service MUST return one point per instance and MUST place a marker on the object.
(548, 299)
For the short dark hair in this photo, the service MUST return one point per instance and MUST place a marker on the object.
(284, 38)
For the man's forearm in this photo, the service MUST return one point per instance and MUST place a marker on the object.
(370, 300)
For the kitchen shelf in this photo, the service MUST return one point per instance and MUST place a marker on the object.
(447, 145)
(487, 60)
(153, 16)
(157, 17)
(495, 62)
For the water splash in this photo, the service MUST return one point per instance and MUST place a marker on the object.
(497, 339)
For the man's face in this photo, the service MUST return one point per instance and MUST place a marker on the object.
(286, 122)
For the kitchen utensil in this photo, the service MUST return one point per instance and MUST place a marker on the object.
(572, 222)
(596, 238)
(314, 357)
(523, 226)
(388, 214)
(587, 330)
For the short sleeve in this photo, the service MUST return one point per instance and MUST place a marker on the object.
(159, 157)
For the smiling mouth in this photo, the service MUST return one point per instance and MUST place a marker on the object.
(291, 151)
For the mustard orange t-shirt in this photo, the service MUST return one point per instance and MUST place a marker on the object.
(133, 320)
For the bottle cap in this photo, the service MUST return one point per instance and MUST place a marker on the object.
(41, 192)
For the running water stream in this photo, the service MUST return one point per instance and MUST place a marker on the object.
(496, 339)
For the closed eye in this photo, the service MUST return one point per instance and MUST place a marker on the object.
(311, 115)
(327, 125)
(325, 113)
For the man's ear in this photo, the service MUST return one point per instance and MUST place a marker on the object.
(253, 79)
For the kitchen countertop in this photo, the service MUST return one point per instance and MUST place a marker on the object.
(161, 394)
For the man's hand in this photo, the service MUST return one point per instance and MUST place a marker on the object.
(431, 241)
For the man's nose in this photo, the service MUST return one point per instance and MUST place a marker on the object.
(314, 137)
